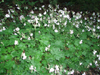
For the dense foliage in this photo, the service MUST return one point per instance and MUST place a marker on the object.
(47, 43)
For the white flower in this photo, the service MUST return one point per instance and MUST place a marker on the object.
(39, 8)
(9, 11)
(91, 64)
(84, 73)
(66, 16)
(36, 19)
(94, 52)
(42, 6)
(57, 67)
(56, 30)
(71, 72)
(65, 71)
(65, 23)
(71, 32)
(39, 32)
(83, 30)
(17, 29)
(98, 27)
(7, 15)
(81, 42)
(32, 12)
(29, 38)
(18, 7)
(44, 13)
(51, 70)
(53, 26)
(24, 24)
(21, 17)
(77, 26)
(46, 49)
(98, 57)
(93, 30)
(26, 7)
(16, 42)
(30, 21)
(31, 34)
(15, 34)
(4, 28)
(24, 57)
(20, 38)
(0, 30)
(31, 67)
(49, 46)
(40, 14)
(45, 24)
(80, 63)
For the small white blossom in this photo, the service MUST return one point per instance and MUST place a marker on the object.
(98, 27)
(80, 63)
(31, 34)
(9, 11)
(94, 52)
(66, 16)
(39, 8)
(77, 26)
(17, 29)
(65, 71)
(71, 32)
(83, 30)
(49, 46)
(18, 7)
(31, 67)
(40, 14)
(16, 42)
(98, 57)
(20, 38)
(46, 48)
(0, 30)
(81, 42)
(26, 7)
(24, 57)
(24, 24)
(93, 30)
(91, 64)
(98, 20)
(29, 38)
(22, 17)
(71, 72)
(51, 70)
(7, 15)
(32, 12)
(4, 28)
(56, 30)
(44, 13)
(42, 6)
(84, 73)
(57, 67)
(30, 21)
(15, 33)
(39, 32)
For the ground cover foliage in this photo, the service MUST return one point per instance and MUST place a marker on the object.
(48, 43)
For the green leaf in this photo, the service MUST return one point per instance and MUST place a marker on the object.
(9, 64)
(22, 46)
